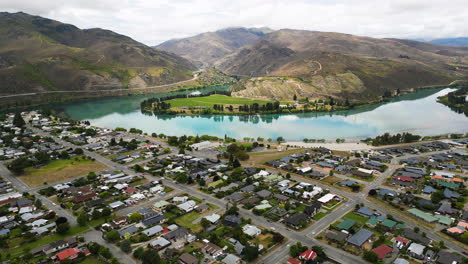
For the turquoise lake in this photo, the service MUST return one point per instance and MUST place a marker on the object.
(417, 113)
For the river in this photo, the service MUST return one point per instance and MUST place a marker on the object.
(417, 113)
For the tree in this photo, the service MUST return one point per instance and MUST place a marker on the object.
(150, 256)
(280, 139)
(62, 229)
(126, 246)
(371, 256)
(82, 219)
(138, 253)
(18, 120)
(251, 252)
(61, 220)
(135, 217)
(38, 203)
(437, 196)
(106, 211)
(236, 163)
(91, 176)
(205, 223)
(320, 252)
(112, 236)
(78, 151)
(372, 192)
(296, 250)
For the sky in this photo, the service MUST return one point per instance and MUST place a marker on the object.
(155, 21)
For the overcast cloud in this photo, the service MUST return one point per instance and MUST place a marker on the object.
(155, 21)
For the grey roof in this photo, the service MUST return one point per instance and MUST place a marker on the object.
(428, 189)
(237, 196)
(153, 230)
(337, 236)
(446, 257)
(384, 192)
(410, 234)
(347, 183)
(248, 188)
(449, 194)
(264, 193)
(130, 229)
(365, 211)
(360, 237)
(153, 220)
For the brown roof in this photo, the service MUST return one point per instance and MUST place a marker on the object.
(186, 258)
(211, 248)
(84, 197)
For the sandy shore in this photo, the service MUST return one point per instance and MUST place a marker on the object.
(333, 146)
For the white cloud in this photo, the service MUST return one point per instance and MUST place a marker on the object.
(154, 21)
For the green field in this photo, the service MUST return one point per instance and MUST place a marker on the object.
(16, 246)
(214, 99)
(60, 170)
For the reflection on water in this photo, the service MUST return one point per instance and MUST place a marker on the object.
(417, 113)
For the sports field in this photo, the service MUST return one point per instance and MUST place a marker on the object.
(214, 99)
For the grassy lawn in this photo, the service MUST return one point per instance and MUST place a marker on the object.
(319, 216)
(266, 240)
(74, 230)
(187, 219)
(215, 183)
(60, 170)
(90, 260)
(356, 217)
(212, 100)
(331, 179)
(259, 158)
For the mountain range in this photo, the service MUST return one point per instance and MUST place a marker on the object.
(207, 48)
(278, 64)
(461, 41)
(40, 54)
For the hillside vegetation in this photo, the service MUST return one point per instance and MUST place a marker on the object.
(283, 63)
(40, 54)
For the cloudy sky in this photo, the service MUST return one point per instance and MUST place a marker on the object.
(154, 21)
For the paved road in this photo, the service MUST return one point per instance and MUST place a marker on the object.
(96, 236)
(98, 91)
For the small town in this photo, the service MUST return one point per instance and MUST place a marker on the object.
(76, 193)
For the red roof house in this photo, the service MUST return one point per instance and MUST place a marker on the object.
(405, 178)
(404, 241)
(70, 253)
(308, 255)
(382, 251)
(294, 261)
(130, 190)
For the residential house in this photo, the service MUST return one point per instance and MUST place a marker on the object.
(360, 238)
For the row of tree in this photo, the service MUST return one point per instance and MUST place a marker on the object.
(387, 139)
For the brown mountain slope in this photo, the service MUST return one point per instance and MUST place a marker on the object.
(340, 65)
(206, 48)
(39, 54)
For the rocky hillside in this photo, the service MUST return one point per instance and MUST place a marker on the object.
(309, 64)
(207, 48)
(212, 76)
(40, 54)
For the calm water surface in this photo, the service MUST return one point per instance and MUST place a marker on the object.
(418, 113)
